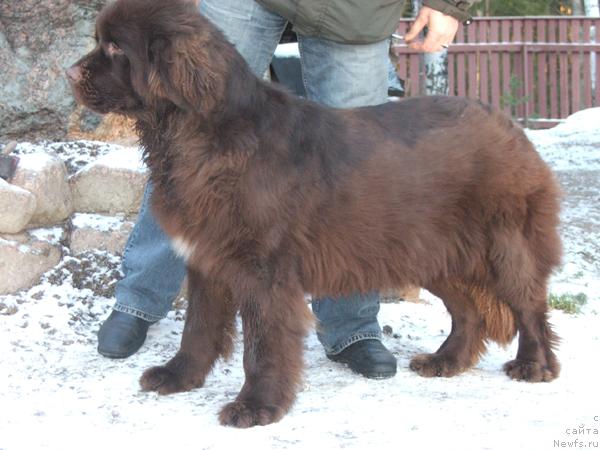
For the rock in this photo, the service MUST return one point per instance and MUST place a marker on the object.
(38, 40)
(45, 176)
(114, 183)
(16, 207)
(23, 259)
(89, 120)
(97, 232)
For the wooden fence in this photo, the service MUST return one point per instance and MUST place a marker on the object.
(538, 69)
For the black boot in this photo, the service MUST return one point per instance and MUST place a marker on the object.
(369, 358)
(121, 335)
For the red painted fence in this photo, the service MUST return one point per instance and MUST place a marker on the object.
(539, 69)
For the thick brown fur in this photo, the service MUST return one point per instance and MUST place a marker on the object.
(270, 196)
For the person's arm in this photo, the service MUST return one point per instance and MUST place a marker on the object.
(442, 19)
(457, 9)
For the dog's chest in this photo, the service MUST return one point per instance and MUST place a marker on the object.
(200, 235)
(200, 212)
(183, 247)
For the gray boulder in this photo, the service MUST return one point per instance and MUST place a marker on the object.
(38, 40)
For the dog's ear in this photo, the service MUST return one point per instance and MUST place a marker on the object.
(180, 70)
(139, 60)
(176, 53)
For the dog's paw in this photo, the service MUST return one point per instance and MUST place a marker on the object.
(435, 365)
(244, 414)
(165, 381)
(532, 371)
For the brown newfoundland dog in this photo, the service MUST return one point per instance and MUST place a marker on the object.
(269, 196)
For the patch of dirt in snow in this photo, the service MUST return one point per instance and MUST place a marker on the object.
(94, 270)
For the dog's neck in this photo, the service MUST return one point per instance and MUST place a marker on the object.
(242, 96)
(219, 124)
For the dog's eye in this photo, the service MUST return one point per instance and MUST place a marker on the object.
(112, 49)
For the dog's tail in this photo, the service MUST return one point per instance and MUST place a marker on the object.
(498, 320)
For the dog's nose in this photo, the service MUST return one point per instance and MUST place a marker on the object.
(74, 73)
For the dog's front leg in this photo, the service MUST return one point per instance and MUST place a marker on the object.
(275, 321)
(207, 334)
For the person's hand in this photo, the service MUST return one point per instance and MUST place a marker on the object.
(441, 30)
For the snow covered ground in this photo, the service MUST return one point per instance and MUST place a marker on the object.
(56, 392)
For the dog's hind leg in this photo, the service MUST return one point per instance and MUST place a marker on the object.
(207, 334)
(527, 299)
(522, 266)
(466, 342)
(275, 321)
(535, 359)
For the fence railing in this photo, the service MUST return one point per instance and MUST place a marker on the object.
(538, 69)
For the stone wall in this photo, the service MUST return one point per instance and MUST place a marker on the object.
(61, 202)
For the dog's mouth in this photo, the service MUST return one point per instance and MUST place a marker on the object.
(74, 75)
(85, 100)
(86, 94)
(76, 94)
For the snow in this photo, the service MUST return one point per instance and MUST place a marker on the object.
(35, 161)
(79, 154)
(129, 158)
(97, 222)
(572, 144)
(56, 392)
(288, 50)
(53, 235)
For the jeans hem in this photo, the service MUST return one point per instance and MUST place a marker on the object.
(351, 340)
(137, 313)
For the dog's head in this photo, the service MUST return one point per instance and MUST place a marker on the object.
(149, 52)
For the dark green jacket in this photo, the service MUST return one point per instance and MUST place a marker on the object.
(354, 21)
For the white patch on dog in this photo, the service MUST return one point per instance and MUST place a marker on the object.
(182, 248)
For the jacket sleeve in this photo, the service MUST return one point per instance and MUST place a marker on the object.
(454, 8)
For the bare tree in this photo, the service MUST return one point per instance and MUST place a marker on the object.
(436, 65)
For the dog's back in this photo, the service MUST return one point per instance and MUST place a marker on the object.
(434, 177)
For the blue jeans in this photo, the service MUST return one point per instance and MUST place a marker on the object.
(334, 74)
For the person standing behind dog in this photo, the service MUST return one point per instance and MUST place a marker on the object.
(344, 57)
